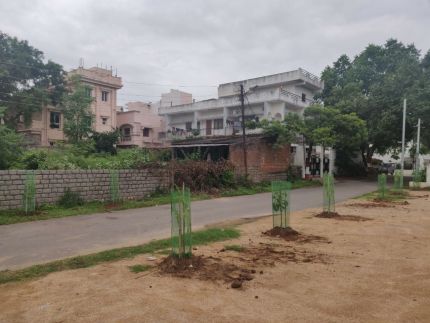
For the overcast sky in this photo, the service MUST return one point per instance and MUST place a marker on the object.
(207, 42)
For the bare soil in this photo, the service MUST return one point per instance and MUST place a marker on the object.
(290, 234)
(372, 271)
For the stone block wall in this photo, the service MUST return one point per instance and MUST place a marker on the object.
(93, 185)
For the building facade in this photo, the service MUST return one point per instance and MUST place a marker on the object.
(269, 97)
(47, 125)
(140, 126)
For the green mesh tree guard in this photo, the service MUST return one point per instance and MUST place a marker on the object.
(29, 196)
(114, 186)
(416, 178)
(281, 204)
(398, 180)
(382, 186)
(328, 193)
(181, 223)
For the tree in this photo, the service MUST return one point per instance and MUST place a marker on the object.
(76, 106)
(10, 147)
(27, 83)
(373, 86)
(106, 141)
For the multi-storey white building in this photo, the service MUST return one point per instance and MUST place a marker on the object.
(267, 97)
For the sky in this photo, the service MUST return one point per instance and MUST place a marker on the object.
(194, 45)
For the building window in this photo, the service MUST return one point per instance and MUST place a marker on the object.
(146, 132)
(293, 149)
(218, 124)
(88, 91)
(188, 125)
(55, 120)
(104, 120)
(303, 97)
(198, 125)
(105, 96)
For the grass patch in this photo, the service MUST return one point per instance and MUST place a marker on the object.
(390, 196)
(139, 268)
(46, 212)
(37, 271)
(234, 247)
(265, 187)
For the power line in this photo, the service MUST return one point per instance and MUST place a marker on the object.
(127, 82)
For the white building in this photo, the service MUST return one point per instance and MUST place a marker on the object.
(267, 97)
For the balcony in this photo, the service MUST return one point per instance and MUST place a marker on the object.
(258, 96)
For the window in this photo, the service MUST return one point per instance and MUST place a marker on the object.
(218, 124)
(146, 132)
(105, 96)
(303, 97)
(126, 132)
(104, 120)
(198, 125)
(188, 126)
(293, 149)
(88, 91)
(55, 119)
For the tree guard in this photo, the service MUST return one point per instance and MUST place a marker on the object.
(328, 193)
(281, 203)
(29, 196)
(181, 223)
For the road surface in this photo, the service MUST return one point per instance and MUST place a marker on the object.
(29, 243)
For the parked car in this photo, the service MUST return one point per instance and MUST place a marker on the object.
(387, 168)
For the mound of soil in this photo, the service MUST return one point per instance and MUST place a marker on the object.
(337, 216)
(185, 266)
(290, 234)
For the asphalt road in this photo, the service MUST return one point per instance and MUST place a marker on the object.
(31, 243)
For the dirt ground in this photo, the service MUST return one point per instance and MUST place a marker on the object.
(338, 270)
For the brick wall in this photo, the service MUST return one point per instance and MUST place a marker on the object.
(91, 184)
(264, 161)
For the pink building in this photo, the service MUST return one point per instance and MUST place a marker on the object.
(140, 126)
(47, 124)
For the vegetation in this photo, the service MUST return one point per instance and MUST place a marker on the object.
(234, 247)
(37, 271)
(139, 268)
(76, 106)
(390, 196)
(27, 83)
(70, 199)
(373, 86)
(10, 147)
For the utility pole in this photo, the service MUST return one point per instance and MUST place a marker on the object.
(242, 103)
(402, 159)
(417, 155)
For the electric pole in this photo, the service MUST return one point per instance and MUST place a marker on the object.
(242, 103)
(417, 155)
(402, 159)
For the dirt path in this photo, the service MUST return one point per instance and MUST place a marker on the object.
(376, 270)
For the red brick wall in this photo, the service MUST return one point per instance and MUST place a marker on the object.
(264, 161)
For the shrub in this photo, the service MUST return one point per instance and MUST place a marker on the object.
(70, 199)
(10, 146)
(106, 141)
(203, 175)
(294, 173)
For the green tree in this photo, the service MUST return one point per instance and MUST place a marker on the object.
(27, 83)
(106, 141)
(10, 147)
(373, 86)
(76, 106)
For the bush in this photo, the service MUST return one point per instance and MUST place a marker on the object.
(106, 141)
(294, 173)
(70, 199)
(10, 147)
(203, 175)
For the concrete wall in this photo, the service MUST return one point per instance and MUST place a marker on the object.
(91, 184)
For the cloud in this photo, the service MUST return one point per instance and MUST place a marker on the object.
(207, 42)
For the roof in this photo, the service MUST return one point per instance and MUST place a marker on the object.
(215, 141)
